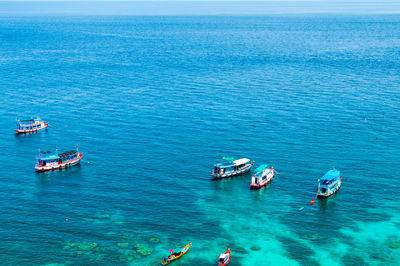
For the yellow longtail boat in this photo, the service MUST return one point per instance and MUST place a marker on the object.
(176, 255)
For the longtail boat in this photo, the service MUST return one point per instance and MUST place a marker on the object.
(231, 167)
(47, 160)
(176, 255)
(30, 125)
(263, 176)
(224, 258)
(329, 184)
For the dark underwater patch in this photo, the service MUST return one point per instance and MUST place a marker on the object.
(298, 251)
(351, 259)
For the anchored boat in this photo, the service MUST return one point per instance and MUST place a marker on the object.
(329, 184)
(176, 255)
(30, 125)
(231, 167)
(225, 258)
(47, 160)
(263, 176)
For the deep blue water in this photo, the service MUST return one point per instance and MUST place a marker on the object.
(153, 102)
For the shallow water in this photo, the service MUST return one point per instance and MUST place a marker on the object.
(154, 102)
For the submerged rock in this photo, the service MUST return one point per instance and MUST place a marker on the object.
(85, 247)
(395, 246)
(143, 249)
(255, 248)
(123, 245)
(127, 252)
(103, 216)
(69, 245)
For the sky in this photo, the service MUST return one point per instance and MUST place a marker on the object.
(188, 7)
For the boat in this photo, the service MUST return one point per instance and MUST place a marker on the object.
(231, 167)
(47, 160)
(30, 125)
(329, 184)
(225, 258)
(176, 255)
(263, 176)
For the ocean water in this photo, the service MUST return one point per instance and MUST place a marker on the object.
(153, 102)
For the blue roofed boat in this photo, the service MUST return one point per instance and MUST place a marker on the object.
(329, 184)
(263, 176)
(47, 160)
(231, 167)
(30, 125)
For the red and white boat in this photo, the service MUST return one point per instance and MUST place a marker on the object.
(263, 176)
(47, 160)
(224, 258)
(30, 125)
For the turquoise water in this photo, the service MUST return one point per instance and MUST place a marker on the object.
(153, 102)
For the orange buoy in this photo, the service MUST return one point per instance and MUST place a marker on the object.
(312, 201)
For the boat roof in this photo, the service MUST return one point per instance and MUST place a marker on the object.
(241, 161)
(223, 256)
(48, 155)
(330, 175)
(232, 163)
(28, 121)
(261, 167)
(68, 153)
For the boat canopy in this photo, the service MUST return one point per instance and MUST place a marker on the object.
(25, 122)
(66, 154)
(223, 256)
(241, 161)
(48, 155)
(330, 176)
(261, 167)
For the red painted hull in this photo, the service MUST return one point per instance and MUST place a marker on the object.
(254, 186)
(260, 186)
(229, 258)
(31, 130)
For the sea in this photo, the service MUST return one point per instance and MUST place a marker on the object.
(153, 102)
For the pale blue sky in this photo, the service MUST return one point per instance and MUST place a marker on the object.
(187, 7)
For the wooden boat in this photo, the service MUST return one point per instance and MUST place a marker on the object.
(231, 167)
(176, 255)
(263, 176)
(47, 160)
(224, 258)
(30, 125)
(329, 184)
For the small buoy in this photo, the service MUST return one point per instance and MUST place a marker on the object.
(66, 219)
(376, 137)
(312, 201)
(300, 209)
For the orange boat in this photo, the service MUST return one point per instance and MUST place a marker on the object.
(225, 258)
(176, 255)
